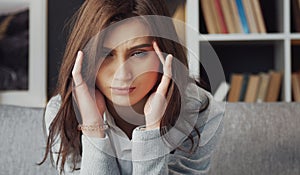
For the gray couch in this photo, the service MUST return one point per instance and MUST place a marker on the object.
(257, 139)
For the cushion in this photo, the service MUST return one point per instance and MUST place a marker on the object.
(259, 138)
(22, 141)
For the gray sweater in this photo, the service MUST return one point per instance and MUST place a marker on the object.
(147, 153)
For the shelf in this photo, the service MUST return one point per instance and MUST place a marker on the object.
(249, 53)
(242, 37)
(295, 36)
(248, 37)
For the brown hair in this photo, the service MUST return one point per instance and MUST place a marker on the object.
(100, 14)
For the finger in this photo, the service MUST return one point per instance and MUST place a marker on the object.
(76, 72)
(158, 52)
(168, 66)
(165, 80)
(100, 101)
(154, 108)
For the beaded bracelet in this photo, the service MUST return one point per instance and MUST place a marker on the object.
(92, 127)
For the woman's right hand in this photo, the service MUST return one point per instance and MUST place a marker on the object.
(91, 110)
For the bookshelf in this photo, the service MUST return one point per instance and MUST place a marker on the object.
(278, 49)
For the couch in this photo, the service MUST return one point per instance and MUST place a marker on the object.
(257, 139)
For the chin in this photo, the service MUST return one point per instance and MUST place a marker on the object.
(122, 101)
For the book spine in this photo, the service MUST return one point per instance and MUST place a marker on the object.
(213, 10)
(296, 15)
(235, 16)
(235, 87)
(220, 16)
(242, 15)
(244, 87)
(258, 16)
(249, 11)
(208, 17)
(274, 86)
(228, 16)
(222, 91)
(252, 88)
(263, 87)
(296, 86)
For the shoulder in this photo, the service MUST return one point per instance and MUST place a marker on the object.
(208, 121)
(206, 113)
(196, 97)
(52, 108)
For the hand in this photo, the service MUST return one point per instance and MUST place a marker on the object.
(91, 110)
(157, 102)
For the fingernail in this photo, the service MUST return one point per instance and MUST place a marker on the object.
(155, 43)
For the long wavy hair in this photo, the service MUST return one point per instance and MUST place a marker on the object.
(92, 17)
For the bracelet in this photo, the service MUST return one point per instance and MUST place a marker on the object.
(92, 127)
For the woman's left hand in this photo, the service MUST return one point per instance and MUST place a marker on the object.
(156, 104)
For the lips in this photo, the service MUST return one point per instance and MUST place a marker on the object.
(122, 90)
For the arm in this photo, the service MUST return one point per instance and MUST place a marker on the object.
(95, 159)
(145, 145)
(149, 153)
(211, 130)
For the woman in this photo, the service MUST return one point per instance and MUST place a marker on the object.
(123, 106)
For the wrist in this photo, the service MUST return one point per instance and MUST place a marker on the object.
(95, 130)
(97, 134)
(153, 126)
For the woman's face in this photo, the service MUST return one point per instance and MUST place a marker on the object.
(130, 69)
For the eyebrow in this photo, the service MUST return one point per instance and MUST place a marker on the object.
(132, 48)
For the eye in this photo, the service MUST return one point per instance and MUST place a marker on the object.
(106, 54)
(140, 54)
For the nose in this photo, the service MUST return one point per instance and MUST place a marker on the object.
(123, 72)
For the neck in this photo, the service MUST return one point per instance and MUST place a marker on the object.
(128, 118)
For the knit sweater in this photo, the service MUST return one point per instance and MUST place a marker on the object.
(147, 153)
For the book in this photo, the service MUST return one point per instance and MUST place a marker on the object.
(296, 86)
(244, 87)
(296, 14)
(179, 14)
(274, 86)
(208, 16)
(228, 16)
(202, 24)
(249, 12)
(216, 19)
(295, 42)
(235, 16)
(252, 88)
(220, 17)
(263, 87)
(222, 91)
(242, 16)
(258, 16)
(235, 87)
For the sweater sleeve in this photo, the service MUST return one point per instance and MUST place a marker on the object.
(149, 153)
(152, 156)
(97, 156)
(211, 128)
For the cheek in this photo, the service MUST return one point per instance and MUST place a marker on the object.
(102, 77)
(149, 79)
(99, 81)
(148, 73)
(150, 65)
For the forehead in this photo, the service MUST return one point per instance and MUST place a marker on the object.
(127, 32)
